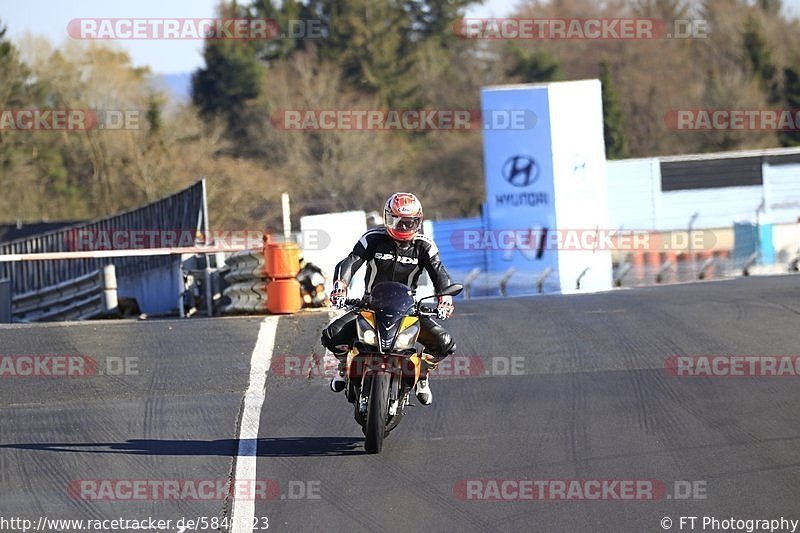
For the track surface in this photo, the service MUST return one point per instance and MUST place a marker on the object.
(591, 399)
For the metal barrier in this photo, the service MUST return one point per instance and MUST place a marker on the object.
(471, 277)
(748, 264)
(620, 274)
(5, 301)
(181, 211)
(542, 278)
(86, 296)
(504, 280)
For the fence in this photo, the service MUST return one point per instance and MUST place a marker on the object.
(184, 210)
(738, 250)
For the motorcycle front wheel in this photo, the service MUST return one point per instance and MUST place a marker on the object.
(377, 412)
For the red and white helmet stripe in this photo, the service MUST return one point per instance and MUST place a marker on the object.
(402, 214)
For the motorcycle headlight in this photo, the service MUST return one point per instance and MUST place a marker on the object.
(407, 337)
(366, 333)
(369, 337)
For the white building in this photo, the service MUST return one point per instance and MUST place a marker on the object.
(663, 193)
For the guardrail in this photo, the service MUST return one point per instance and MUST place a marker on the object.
(183, 210)
(86, 296)
(206, 251)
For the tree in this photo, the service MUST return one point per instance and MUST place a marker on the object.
(367, 40)
(293, 27)
(613, 121)
(534, 66)
(231, 78)
(791, 91)
(13, 72)
(434, 19)
(759, 56)
(771, 6)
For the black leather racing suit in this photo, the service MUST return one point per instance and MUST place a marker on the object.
(390, 260)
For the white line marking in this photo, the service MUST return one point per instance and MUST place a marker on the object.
(244, 510)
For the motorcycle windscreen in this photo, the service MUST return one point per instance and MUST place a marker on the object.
(390, 301)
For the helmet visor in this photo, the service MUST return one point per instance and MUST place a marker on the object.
(403, 224)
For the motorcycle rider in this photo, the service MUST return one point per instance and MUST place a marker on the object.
(395, 251)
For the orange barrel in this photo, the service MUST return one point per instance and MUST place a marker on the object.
(282, 259)
(283, 296)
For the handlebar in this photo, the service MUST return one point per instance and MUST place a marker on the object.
(424, 310)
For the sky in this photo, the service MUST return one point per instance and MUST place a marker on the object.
(49, 18)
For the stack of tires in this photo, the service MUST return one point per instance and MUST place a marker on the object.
(264, 280)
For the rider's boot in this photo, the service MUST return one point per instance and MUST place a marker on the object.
(423, 389)
(337, 381)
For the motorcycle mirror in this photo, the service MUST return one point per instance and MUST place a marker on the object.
(453, 290)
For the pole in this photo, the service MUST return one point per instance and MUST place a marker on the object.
(691, 245)
(287, 220)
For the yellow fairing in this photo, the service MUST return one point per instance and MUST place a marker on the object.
(408, 321)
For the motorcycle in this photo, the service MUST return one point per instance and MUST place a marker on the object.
(384, 363)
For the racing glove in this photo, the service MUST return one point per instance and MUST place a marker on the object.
(429, 362)
(339, 294)
(445, 308)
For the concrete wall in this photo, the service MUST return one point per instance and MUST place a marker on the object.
(782, 193)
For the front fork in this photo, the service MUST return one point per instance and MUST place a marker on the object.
(405, 374)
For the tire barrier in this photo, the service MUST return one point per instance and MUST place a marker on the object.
(263, 280)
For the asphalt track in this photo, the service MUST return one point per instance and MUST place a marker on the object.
(589, 398)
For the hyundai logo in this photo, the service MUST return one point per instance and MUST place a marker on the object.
(520, 170)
